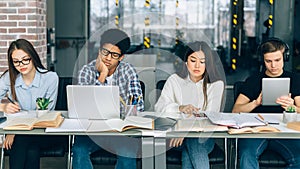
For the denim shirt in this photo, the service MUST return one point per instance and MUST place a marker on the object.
(43, 85)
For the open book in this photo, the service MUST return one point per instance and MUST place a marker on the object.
(258, 129)
(120, 125)
(130, 122)
(52, 119)
(235, 120)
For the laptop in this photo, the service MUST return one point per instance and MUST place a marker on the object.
(272, 88)
(93, 102)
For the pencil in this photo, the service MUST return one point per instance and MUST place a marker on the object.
(131, 98)
(122, 101)
(260, 116)
(139, 98)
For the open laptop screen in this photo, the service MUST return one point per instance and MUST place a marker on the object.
(93, 102)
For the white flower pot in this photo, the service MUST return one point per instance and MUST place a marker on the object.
(39, 113)
(289, 117)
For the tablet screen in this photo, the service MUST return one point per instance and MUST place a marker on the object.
(272, 88)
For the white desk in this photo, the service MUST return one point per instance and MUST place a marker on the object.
(147, 142)
(154, 142)
(160, 140)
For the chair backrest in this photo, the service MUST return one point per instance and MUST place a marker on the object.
(237, 89)
(143, 89)
(61, 103)
(160, 84)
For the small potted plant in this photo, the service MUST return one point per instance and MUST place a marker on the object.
(42, 105)
(290, 114)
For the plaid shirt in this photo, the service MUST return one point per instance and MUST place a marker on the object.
(125, 77)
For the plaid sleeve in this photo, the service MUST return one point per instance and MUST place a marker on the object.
(135, 89)
(86, 76)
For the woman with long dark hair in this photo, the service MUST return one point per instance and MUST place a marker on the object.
(25, 80)
(198, 86)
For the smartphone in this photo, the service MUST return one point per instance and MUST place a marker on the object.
(199, 114)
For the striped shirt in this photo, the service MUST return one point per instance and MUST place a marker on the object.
(125, 77)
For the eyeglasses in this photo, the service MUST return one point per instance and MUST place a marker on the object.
(106, 52)
(25, 61)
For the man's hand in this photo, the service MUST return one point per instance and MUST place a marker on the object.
(100, 66)
(258, 100)
(102, 69)
(285, 101)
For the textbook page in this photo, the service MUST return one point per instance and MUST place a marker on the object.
(106, 125)
(19, 124)
(236, 120)
(258, 129)
(121, 125)
(52, 119)
(71, 125)
(21, 114)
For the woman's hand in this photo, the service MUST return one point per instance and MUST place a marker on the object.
(188, 109)
(11, 108)
(8, 142)
(176, 142)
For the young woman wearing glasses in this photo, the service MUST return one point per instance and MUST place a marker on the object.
(25, 80)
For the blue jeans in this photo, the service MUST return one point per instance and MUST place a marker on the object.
(125, 148)
(195, 153)
(251, 149)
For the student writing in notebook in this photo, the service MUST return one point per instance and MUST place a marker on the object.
(108, 69)
(25, 80)
(198, 86)
(273, 52)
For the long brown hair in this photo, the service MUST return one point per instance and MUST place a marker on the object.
(27, 47)
(210, 74)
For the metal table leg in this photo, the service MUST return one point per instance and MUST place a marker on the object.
(147, 153)
(226, 153)
(160, 153)
(2, 154)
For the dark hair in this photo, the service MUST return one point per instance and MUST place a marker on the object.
(27, 47)
(210, 74)
(116, 37)
(273, 45)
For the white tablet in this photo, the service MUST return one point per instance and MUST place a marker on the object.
(272, 88)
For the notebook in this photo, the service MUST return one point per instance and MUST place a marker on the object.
(272, 88)
(93, 102)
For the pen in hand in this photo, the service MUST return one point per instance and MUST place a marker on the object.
(11, 101)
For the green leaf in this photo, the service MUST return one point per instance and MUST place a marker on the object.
(291, 109)
(43, 103)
